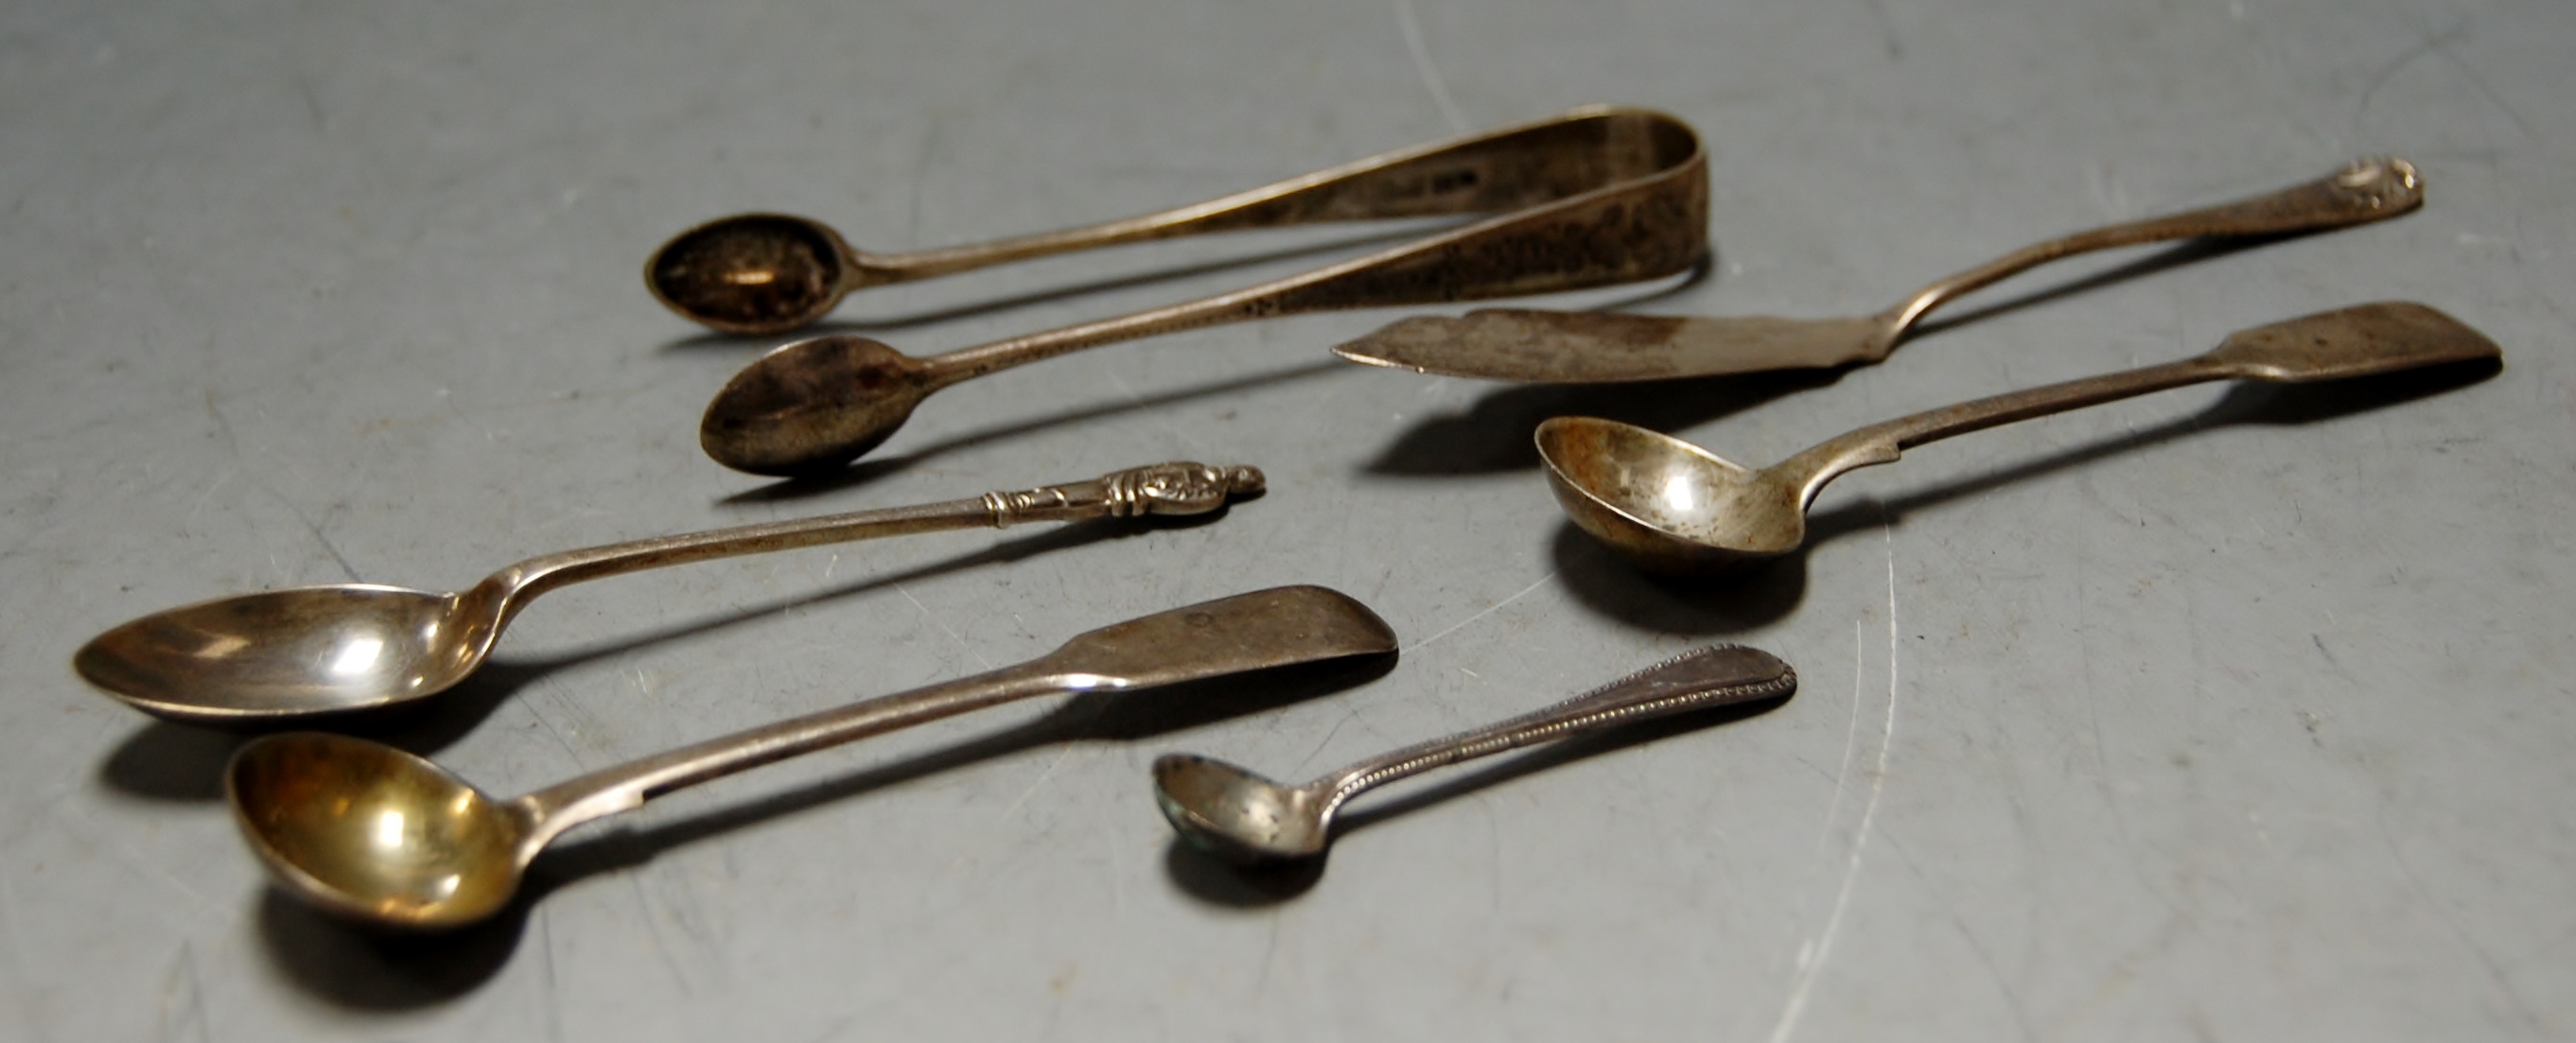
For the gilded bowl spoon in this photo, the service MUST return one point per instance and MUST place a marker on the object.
(379, 835)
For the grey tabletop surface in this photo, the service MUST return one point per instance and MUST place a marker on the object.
(2223, 713)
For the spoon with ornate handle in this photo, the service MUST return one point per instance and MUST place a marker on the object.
(1671, 506)
(770, 273)
(1534, 346)
(816, 404)
(376, 834)
(256, 658)
(1239, 816)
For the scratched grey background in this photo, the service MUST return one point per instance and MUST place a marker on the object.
(2215, 714)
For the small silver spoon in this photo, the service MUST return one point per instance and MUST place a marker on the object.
(370, 832)
(1239, 816)
(1671, 506)
(356, 646)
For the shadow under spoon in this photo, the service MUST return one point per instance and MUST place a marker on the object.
(1535, 346)
(340, 647)
(1671, 506)
(1241, 817)
(378, 835)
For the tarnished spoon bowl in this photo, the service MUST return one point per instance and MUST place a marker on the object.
(815, 404)
(1238, 815)
(1664, 502)
(753, 273)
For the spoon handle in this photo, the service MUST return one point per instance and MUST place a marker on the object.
(1713, 676)
(2358, 341)
(1173, 488)
(625, 786)
(1884, 442)
(1507, 168)
(1260, 630)
(1649, 220)
(2365, 190)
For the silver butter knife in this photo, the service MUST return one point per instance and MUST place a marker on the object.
(1535, 346)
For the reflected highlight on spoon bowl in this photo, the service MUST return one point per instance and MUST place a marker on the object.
(1665, 502)
(370, 832)
(815, 405)
(292, 652)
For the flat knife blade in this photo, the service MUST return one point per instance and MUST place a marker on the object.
(1534, 346)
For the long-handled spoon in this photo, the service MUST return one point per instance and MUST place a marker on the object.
(1552, 347)
(1234, 814)
(352, 646)
(818, 403)
(374, 833)
(770, 273)
(1671, 506)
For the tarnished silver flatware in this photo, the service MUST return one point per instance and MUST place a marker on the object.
(1671, 506)
(1535, 346)
(289, 653)
(1603, 196)
(1239, 816)
(771, 273)
(379, 835)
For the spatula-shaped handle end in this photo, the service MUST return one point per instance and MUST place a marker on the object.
(1282, 626)
(2359, 341)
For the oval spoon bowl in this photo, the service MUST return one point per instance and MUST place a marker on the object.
(1235, 814)
(1663, 502)
(401, 842)
(297, 651)
(813, 405)
(751, 273)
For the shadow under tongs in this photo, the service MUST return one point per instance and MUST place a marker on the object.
(167, 760)
(1705, 606)
(366, 968)
(1218, 882)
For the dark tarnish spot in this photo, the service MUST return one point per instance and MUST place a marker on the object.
(754, 273)
(825, 373)
(811, 405)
